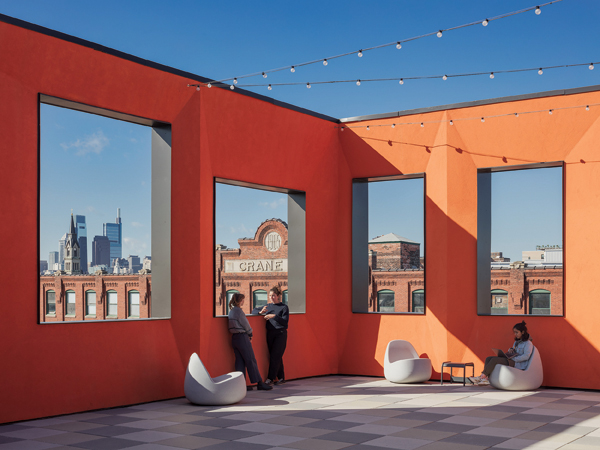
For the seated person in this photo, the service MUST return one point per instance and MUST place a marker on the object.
(517, 355)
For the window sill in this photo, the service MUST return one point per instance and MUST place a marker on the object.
(50, 315)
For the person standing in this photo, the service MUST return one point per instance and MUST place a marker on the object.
(277, 316)
(241, 335)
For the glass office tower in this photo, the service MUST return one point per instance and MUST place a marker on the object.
(82, 239)
(113, 231)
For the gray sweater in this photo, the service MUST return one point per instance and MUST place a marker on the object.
(238, 323)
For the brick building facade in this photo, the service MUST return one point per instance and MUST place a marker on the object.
(94, 297)
(259, 263)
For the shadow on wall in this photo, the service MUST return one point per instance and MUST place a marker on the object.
(450, 329)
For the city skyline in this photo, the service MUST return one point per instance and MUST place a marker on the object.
(94, 165)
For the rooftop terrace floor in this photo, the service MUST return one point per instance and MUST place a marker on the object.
(330, 413)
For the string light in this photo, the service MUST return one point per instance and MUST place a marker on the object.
(292, 69)
(342, 128)
(308, 85)
(482, 119)
(197, 88)
(538, 11)
(264, 75)
(591, 66)
(358, 82)
(270, 88)
(398, 43)
(368, 128)
(232, 87)
(492, 75)
(325, 62)
(209, 85)
(235, 81)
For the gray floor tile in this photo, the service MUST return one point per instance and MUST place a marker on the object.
(330, 425)
(107, 444)
(32, 433)
(318, 414)
(148, 424)
(443, 426)
(76, 426)
(237, 446)
(11, 427)
(398, 442)
(6, 439)
(27, 445)
(107, 431)
(112, 420)
(186, 428)
(222, 422)
(473, 439)
(149, 436)
(347, 436)
(226, 434)
(69, 438)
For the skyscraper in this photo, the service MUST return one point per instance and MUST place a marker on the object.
(101, 251)
(53, 261)
(82, 239)
(113, 231)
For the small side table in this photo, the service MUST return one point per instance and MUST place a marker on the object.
(452, 365)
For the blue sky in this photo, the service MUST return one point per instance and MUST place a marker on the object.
(238, 37)
(93, 165)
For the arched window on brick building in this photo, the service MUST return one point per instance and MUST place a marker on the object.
(259, 298)
(228, 296)
(385, 301)
(418, 301)
(112, 309)
(539, 301)
(499, 302)
(90, 303)
(70, 303)
(133, 304)
(50, 303)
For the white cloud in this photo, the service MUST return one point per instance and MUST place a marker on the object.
(93, 143)
(137, 224)
(133, 246)
(274, 204)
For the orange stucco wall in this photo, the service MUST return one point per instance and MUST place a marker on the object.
(62, 368)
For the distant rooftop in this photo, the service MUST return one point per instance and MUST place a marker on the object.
(391, 238)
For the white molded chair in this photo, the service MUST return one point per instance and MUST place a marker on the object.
(201, 389)
(403, 365)
(511, 379)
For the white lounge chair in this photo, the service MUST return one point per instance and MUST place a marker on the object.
(201, 389)
(511, 379)
(403, 365)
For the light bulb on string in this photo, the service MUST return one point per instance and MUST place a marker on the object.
(398, 45)
(587, 107)
(235, 81)
(485, 23)
(197, 88)
(445, 77)
(308, 85)
(264, 75)
(325, 62)
(292, 69)
(360, 53)
(393, 125)
(368, 128)
(492, 75)
(401, 81)
(591, 66)
(342, 128)
(538, 11)
(358, 82)
(270, 88)
(439, 33)
(540, 71)
(209, 85)
(550, 112)
(482, 119)
(422, 125)
(232, 87)
(451, 122)
(516, 114)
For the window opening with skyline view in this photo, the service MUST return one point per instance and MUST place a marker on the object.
(389, 225)
(95, 216)
(520, 241)
(259, 243)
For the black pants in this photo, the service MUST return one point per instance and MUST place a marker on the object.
(493, 361)
(276, 342)
(244, 356)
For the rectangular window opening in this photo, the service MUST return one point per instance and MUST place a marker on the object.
(520, 269)
(259, 243)
(388, 244)
(104, 213)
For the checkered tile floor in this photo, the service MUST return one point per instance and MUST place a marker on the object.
(331, 413)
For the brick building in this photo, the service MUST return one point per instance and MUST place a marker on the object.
(260, 263)
(94, 297)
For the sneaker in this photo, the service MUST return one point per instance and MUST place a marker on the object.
(269, 382)
(483, 382)
(474, 380)
(278, 382)
(263, 386)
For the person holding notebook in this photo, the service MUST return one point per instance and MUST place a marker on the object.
(517, 356)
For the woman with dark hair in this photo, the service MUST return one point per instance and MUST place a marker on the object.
(241, 335)
(517, 356)
(277, 316)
